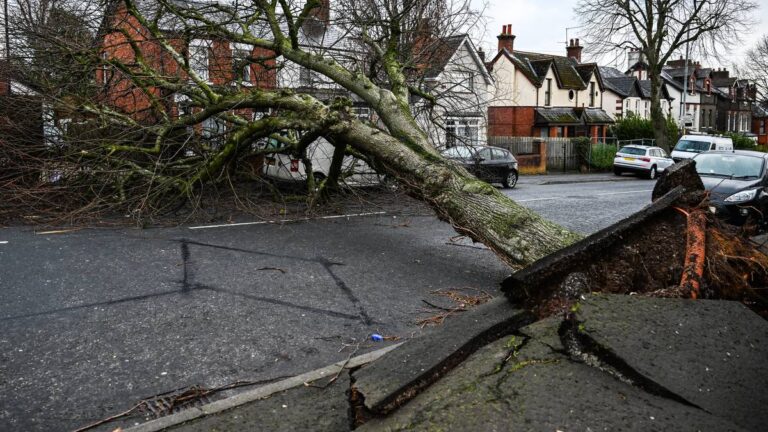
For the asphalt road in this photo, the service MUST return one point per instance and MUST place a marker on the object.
(93, 321)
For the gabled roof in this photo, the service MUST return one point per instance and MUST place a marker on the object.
(645, 89)
(611, 72)
(535, 66)
(623, 86)
(759, 111)
(442, 51)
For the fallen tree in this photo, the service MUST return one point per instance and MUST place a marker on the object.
(147, 53)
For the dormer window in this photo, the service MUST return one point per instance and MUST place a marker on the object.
(692, 85)
(709, 87)
(592, 94)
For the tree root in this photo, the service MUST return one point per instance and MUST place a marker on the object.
(695, 253)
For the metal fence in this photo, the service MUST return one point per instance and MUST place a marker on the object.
(561, 152)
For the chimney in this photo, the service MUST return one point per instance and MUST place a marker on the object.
(720, 74)
(481, 54)
(574, 50)
(633, 57)
(506, 39)
(323, 12)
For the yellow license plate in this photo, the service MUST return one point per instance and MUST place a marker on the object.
(629, 159)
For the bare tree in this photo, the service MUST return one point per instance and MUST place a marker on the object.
(662, 28)
(755, 68)
(370, 52)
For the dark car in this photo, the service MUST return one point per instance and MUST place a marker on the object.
(737, 181)
(491, 164)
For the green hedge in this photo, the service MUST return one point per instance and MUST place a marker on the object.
(634, 127)
(602, 156)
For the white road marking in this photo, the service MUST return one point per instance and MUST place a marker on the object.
(583, 196)
(283, 221)
(625, 192)
(539, 199)
(4, 242)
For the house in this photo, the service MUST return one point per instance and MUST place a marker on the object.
(214, 61)
(449, 68)
(454, 73)
(632, 94)
(735, 101)
(760, 123)
(546, 95)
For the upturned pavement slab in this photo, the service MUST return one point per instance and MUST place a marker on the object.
(529, 382)
(400, 374)
(711, 354)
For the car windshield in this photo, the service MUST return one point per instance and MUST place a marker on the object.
(632, 151)
(729, 165)
(692, 146)
(458, 153)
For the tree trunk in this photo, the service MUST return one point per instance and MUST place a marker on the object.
(476, 209)
(658, 117)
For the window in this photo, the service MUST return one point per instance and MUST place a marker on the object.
(106, 74)
(462, 131)
(467, 83)
(592, 94)
(548, 93)
(571, 95)
(762, 127)
(499, 154)
(362, 112)
(242, 66)
(213, 131)
(199, 60)
(484, 154)
(305, 77)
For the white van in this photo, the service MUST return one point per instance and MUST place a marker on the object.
(284, 167)
(690, 145)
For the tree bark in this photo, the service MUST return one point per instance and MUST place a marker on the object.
(658, 118)
(474, 208)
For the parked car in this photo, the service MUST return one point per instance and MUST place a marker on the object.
(689, 146)
(737, 181)
(490, 164)
(284, 167)
(645, 160)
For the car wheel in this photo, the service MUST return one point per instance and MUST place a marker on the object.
(652, 173)
(617, 171)
(510, 180)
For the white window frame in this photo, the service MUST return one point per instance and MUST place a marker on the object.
(462, 130)
(200, 58)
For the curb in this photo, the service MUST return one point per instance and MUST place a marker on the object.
(258, 393)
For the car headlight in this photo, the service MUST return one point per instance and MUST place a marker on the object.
(742, 196)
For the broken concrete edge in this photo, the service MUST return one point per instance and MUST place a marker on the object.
(554, 265)
(580, 345)
(377, 392)
(259, 393)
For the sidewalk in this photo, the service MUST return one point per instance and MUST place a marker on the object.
(574, 177)
(611, 365)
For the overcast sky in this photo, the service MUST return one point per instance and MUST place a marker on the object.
(540, 25)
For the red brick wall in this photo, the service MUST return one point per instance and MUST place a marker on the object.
(510, 121)
(762, 139)
(125, 96)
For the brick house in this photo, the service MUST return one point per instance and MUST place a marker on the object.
(760, 123)
(545, 95)
(217, 62)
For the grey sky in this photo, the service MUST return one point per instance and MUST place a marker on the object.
(540, 25)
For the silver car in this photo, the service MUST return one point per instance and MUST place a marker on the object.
(645, 160)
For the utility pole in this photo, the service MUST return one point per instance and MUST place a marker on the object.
(683, 110)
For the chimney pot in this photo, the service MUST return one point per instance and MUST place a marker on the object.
(577, 42)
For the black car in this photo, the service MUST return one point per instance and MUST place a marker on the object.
(491, 164)
(738, 182)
